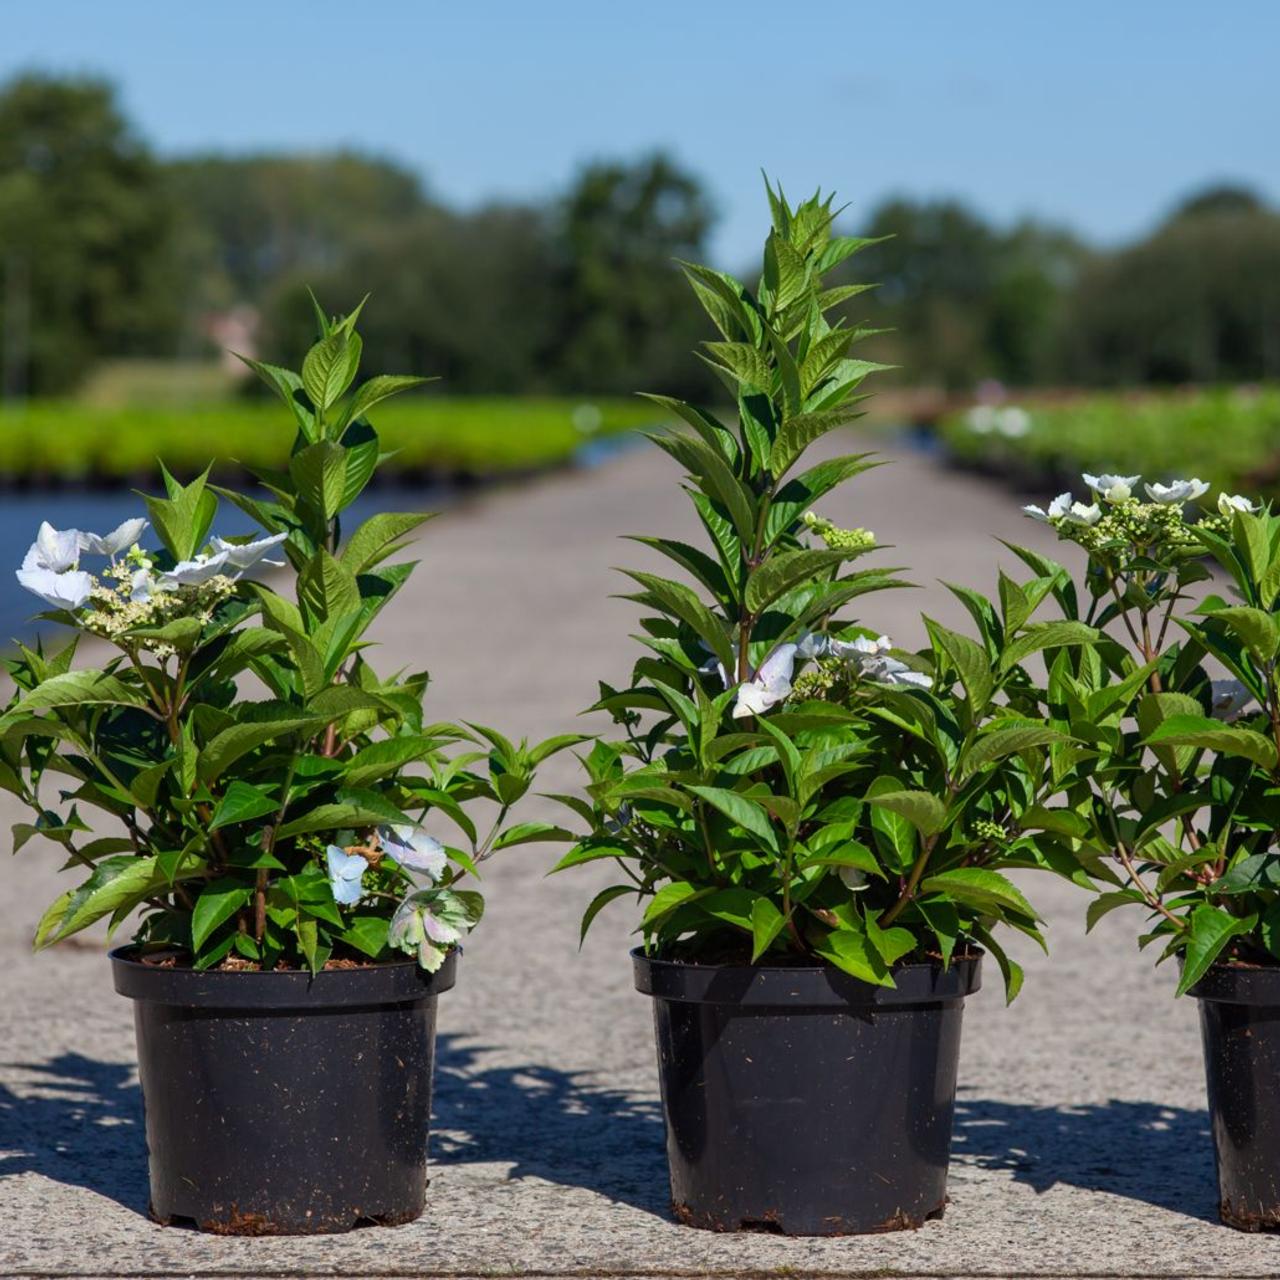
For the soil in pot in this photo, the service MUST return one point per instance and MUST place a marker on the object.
(802, 1101)
(281, 1104)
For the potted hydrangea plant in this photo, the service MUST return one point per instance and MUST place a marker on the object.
(1175, 775)
(816, 825)
(265, 797)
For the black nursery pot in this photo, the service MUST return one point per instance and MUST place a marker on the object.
(803, 1101)
(282, 1104)
(1240, 1026)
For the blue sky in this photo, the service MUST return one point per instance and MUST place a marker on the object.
(1095, 114)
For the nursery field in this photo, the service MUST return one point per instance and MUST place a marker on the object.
(66, 441)
(1227, 437)
(1082, 1143)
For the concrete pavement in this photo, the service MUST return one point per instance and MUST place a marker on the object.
(1081, 1143)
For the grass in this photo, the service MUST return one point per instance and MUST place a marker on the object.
(1228, 437)
(70, 441)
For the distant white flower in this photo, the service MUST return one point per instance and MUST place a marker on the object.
(1179, 491)
(244, 555)
(346, 872)
(1232, 502)
(981, 419)
(1013, 422)
(854, 878)
(1057, 509)
(1113, 488)
(813, 644)
(770, 685)
(1228, 699)
(67, 590)
(871, 660)
(191, 573)
(54, 549)
(411, 847)
(112, 544)
(1081, 514)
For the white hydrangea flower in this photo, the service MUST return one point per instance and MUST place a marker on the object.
(54, 549)
(244, 555)
(1179, 491)
(121, 538)
(69, 589)
(982, 419)
(1082, 514)
(1058, 508)
(194, 572)
(1229, 503)
(1113, 488)
(770, 685)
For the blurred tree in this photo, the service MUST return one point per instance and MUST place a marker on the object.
(250, 221)
(625, 318)
(1197, 301)
(964, 300)
(84, 234)
(464, 296)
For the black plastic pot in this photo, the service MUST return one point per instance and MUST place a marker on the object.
(1240, 1025)
(281, 1104)
(802, 1101)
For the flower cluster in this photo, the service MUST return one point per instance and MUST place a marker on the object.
(129, 591)
(1116, 516)
(838, 539)
(840, 665)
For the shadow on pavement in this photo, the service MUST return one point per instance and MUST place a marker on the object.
(550, 1124)
(78, 1121)
(1155, 1154)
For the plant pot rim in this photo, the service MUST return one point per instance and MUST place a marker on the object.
(1239, 984)
(805, 986)
(398, 982)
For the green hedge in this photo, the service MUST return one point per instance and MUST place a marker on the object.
(72, 441)
(1231, 438)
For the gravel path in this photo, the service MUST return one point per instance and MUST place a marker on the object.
(1081, 1143)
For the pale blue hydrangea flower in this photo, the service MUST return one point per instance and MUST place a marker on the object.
(67, 590)
(244, 555)
(193, 572)
(1057, 509)
(412, 847)
(871, 660)
(428, 923)
(346, 875)
(121, 538)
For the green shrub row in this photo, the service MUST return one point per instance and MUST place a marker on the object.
(64, 440)
(1227, 437)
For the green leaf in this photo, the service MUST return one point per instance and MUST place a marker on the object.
(378, 389)
(71, 689)
(1047, 635)
(598, 903)
(784, 570)
(668, 898)
(766, 923)
(890, 944)
(1006, 740)
(218, 902)
(367, 934)
(852, 953)
(117, 882)
(682, 602)
(799, 432)
(925, 812)
(748, 814)
(330, 367)
(377, 538)
(1212, 735)
(1209, 931)
(240, 803)
(1105, 903)
(980, 887)
(970, 661)
(530, 833)
(225, 748)
(327, 589)
(320, 473)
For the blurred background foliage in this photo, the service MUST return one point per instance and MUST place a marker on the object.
(109, 253)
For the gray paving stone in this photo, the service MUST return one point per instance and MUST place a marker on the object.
(1081, 1142)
